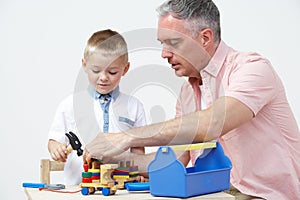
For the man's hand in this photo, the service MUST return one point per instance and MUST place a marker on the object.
(105, 146)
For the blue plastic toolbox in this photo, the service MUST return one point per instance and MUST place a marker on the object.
(170, 178)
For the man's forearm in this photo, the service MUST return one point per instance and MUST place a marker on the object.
(224, 115)
(182, 130)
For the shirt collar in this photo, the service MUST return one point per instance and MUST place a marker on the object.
(216, 62)
(114, 94)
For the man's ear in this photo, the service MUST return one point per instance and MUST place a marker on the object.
(83, 64)
(206, 37)
(126, 68)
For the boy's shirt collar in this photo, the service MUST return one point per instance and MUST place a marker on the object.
(96, 95)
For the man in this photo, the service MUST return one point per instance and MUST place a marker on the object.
(243, 106)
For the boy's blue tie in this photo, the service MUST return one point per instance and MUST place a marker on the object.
(104, 102)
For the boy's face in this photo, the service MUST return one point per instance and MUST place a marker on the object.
(104, 73)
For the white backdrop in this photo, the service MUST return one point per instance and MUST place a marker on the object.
(41, 46)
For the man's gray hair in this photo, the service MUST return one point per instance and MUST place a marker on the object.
(198, 14)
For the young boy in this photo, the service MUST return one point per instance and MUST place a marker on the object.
(105, 61)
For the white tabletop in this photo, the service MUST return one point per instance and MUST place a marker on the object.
(35, 194)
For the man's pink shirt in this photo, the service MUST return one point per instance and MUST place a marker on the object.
(265, 152)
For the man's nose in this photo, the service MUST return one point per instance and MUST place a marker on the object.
(165, 53)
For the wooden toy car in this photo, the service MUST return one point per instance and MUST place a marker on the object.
(107, 178)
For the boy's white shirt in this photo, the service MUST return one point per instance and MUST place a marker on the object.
(90, 124)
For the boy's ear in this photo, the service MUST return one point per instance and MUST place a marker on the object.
(126, 68)
(83, 63)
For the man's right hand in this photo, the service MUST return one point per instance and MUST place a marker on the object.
(105, 146)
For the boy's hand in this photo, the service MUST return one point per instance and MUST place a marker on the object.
(58, 151)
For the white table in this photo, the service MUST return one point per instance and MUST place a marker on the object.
(35, 194)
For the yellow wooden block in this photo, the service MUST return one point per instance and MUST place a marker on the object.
(121, 177)
(196, 146)
(133, 173)
(94, 170)
(90, 184)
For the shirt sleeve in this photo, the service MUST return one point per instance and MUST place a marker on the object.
(63, 121)
(252, 82)
(141, 117)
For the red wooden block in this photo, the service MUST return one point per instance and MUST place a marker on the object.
(85, 167)
(86, 180)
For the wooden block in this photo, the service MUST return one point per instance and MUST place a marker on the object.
(86, 180)
(85, 167)
(121, 164)
(86, 174)
(45, 171)
(94, 170)
(96, 165)
(197, 146)
(46, 166)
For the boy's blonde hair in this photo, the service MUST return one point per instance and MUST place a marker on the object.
(108, 43)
